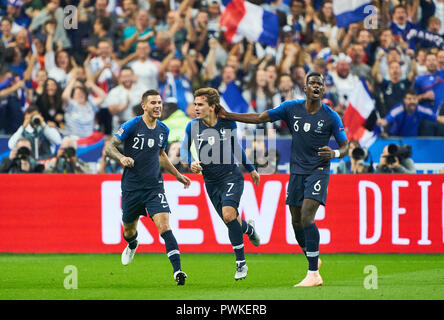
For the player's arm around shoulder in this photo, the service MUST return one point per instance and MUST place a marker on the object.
(165, 163)
(112, 152)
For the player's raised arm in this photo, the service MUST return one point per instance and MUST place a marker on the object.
(243, 117)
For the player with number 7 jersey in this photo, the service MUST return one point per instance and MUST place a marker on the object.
(217, 151)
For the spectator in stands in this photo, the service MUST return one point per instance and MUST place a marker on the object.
(174, 82)
(37, 89)
(393, 90)
(103, 67)
(52, 12)
(123, 97)
(101, 28)
(66, 159)
(325, 22)
(81, 107)
(396, 159)
(15, 11)
(358, 67)
(141, 31)
(365, 38)
(145, 68)
(20, 159)
(430, 87)
(11, 101)
(264, 160)
(50, 104)
(43, 138)
(343, 79)
(6, 31)
(384, 59)
(355, 163)
(286, 88)
(430, 38)
(58, 64)
(440, 58)
(400, 25)
(405, 119)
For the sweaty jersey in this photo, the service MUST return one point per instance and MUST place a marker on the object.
(143, 145)
(218, 148)
(309, 133)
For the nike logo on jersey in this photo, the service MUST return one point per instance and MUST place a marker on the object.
(164, 206)
(229, 194)
(140, 134)
(294, 117)
(315, 193)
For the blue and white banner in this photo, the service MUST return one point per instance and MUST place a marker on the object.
(350, 11)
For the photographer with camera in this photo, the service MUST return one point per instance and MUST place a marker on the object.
(357, 155)
(20, 159)
(396, 159)
(66, 160)
(42, 137)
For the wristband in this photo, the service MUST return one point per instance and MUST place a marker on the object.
(337, 153)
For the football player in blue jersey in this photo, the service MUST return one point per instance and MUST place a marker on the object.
(311, 123)
(218, 153)
(145, 139)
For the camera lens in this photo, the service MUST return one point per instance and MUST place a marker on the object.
(36, 121)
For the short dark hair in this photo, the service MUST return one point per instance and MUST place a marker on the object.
(314, 74)
(150, 92)
(411, 92)
(105, 22)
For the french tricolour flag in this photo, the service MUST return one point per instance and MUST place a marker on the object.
(349, 11)
(232, 99)
(243, 19)
(360, 106)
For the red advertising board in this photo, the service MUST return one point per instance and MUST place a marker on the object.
(82, 213)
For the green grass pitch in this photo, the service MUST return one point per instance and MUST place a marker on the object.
(210, 277)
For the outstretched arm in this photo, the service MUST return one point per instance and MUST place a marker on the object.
(244, 117)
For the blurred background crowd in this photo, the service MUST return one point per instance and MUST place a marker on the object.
(72, 71)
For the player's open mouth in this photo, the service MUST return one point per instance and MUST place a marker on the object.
(316, 91)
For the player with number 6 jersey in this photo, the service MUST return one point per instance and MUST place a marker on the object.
(311, 123)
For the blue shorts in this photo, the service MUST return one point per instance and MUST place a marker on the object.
(142, 203)
(225, 193)
(301, 186)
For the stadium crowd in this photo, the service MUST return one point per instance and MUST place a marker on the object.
(70, 69)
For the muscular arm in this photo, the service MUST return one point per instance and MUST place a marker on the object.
(245, 117)
(343, 148)
(112, 151)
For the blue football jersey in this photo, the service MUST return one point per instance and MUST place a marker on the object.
(143, 145)
(218, 148)
(309, 133)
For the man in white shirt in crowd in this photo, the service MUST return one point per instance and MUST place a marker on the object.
(122, 98)
(145, 68)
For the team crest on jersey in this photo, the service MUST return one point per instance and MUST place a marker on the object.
(211, 141)
(320, 125)
(161, 140)
(307, 127)
(150, 143)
